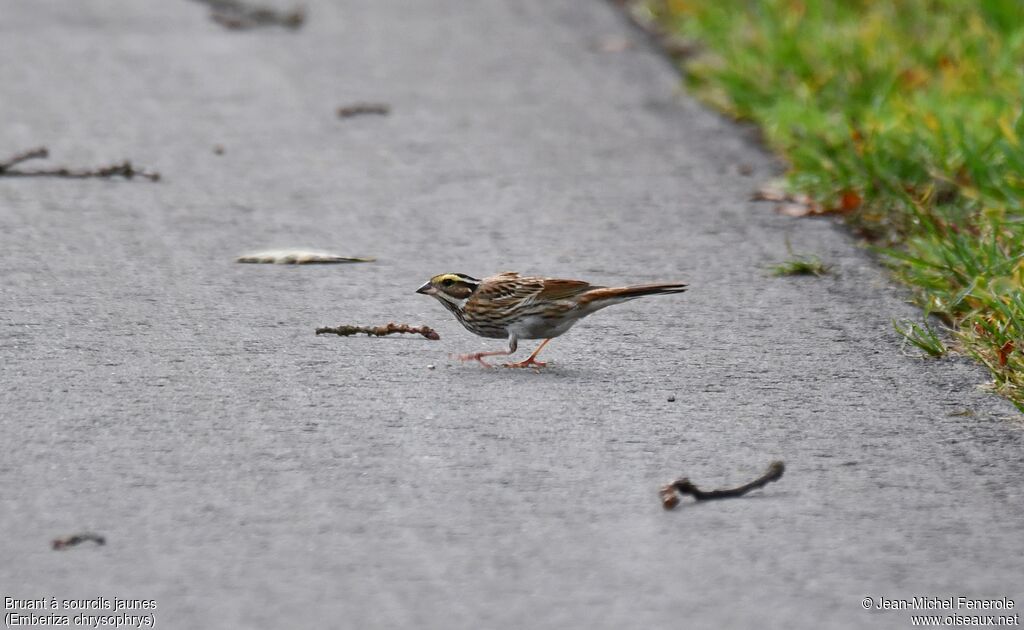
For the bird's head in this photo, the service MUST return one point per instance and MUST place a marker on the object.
(451, 288)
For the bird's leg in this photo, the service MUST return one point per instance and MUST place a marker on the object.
(513, 343)
(479, 356)
(532, 360)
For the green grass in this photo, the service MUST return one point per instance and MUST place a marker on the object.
(922, 336)
(903, 116)
(801, 265)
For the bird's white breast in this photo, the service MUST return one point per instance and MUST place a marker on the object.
(537, 327)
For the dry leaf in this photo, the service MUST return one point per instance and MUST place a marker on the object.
(771, 191)
(793, 209)
(1004, 352)
(298, 257)
(849, 201)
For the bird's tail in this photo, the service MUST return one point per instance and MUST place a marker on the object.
(613, 295)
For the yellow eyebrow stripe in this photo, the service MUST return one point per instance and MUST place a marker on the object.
(445, 276)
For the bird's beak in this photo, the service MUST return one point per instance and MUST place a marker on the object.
(426, 289)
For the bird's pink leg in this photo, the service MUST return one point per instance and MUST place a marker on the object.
(532, 360)
(479, 356)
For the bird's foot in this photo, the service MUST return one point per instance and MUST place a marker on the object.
(478, 356)
(531, 362)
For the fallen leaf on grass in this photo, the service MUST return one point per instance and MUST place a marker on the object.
(1004, 352)
(849, 201)
(298, 257)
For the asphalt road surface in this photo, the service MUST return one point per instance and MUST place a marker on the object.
(249, 474)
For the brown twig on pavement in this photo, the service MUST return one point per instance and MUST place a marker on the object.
(31, 154)
(380, 331)
(77, 539)
(124, 169)
(669, 498)
(360, 109)
(237, 15)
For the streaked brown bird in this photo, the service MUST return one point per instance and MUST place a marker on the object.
(519, 307)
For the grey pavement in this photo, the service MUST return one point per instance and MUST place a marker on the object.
(248, 474)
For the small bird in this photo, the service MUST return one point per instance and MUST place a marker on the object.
(520, 307)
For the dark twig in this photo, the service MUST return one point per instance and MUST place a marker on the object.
(77, 539)
(31, 154)
(237, 15)
(124, 169)
(669, 498)
(380, 331)
(361, 109)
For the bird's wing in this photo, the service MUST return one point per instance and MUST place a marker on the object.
(506, 292)
(509, 290)
(556, 289)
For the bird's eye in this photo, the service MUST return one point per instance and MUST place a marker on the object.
(447, 282)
